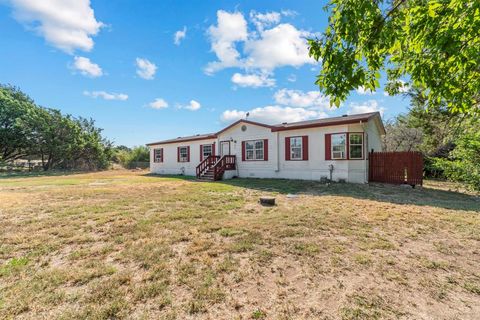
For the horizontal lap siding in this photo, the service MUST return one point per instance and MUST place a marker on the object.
(314, 165)
(170, 163)
(257, 168)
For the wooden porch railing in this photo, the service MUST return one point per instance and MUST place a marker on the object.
(206, 164)
(225, 163)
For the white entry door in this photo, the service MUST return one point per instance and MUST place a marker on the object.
(224, 148)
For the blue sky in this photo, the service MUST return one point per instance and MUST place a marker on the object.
(151, 70)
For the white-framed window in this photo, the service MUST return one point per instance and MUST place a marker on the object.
(183, 154)
(296, 148)
(339, 146)
(158, 155)
(254, 150)
(206, 151)
(356, 145)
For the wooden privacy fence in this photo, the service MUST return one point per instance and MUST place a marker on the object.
(396, 167)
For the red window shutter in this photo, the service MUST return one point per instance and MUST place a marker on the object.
(287, 148)
(243, 150)
(213, 149)
(178, 154)
(328, 146)
(265, 149)
(201, 152)
(188, 153)
(305, 147)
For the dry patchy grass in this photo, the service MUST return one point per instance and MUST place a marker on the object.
(123, 244)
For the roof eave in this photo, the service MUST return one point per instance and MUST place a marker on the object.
(317, 125)
(213, 136)
(244, 121)
(380, 121)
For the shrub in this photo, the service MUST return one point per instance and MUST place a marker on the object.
(463, 163)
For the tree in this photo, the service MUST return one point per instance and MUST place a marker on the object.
(94, 150)
(15, 110)
(401, 136)
(434, 44)
(129, 157)
(60, 141)
(463, 162)
(450, 142)
(440, 126)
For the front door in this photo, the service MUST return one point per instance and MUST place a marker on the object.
(224, 148)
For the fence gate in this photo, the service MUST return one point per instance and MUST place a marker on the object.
(396, 167)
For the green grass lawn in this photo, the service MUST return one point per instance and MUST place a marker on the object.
(123, 244)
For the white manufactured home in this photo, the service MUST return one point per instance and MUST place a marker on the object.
(333, 148)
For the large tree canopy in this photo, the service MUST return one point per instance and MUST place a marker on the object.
(432, 44)
(449, 141)
(28, 131)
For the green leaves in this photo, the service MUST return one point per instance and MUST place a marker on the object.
(30, 131)
(434, 44)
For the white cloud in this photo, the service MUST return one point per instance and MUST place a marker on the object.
(283, 45)
(365, 107)
(292, 78)
(87, 67)
(192, 106)
(145, 69)
(364, 91)
(106, 95)
(292, 106)
(272, 114)
(180, 35)
(298, 98)
(158, 104)
(66, 24)
(262, 20)
(289, 13)
(253, 80)
(265, 50)
(231, 28)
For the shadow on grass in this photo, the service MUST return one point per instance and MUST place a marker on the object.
(33, 174)
(420, 196)
(171, 176)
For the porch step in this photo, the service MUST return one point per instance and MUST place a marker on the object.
(204, 178)
(208, 175)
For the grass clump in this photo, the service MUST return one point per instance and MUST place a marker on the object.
(13, 266)
(120, 244)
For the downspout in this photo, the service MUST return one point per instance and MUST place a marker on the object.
(365, 151)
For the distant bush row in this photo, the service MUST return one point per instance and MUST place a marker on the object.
(137, 157)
